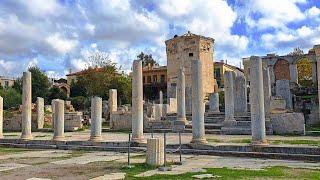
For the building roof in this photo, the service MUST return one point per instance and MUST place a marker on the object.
(189, 34)
(228, 65)
(154, 68)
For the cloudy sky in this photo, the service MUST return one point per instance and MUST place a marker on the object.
(57, 35)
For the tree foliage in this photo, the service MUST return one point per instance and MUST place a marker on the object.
(40, 83)
(304, 67)
(56, 93)
(296, 51)
(11, 98)
(146, 59)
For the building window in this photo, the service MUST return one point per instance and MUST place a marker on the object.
(149, 79)
(190, 54)
(217, 73)
(162, 79)
(154, 78)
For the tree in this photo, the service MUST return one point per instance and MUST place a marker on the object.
(11, 98)
(40, 83)
(56, 93)
(123, 84)
(304, 68)
(146, 59)
(296, 51)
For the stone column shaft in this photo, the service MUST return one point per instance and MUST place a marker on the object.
(137, 102)
(1, 117)
(257, 102)
(181, 97)
(160, 97)
(113, 100)
(214, 102)
(58, 120)
(229, 97)
(266, 90)
(293, 73)
(26, 106)
(155, 152)
(96, 119)
(198, 130)
(40, 112)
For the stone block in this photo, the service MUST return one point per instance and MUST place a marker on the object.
(283, 90)
(287, 123)
(121, 121)
(155, 152)
(277, 105)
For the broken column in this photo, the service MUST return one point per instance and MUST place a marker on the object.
(257, 102)
(58, 118)
(96, 119)
(229, 99)
(113, 100)
(283, 90)
(40, 112)
(155, 152)
(293, 73)
(1, 117)
(240, 95)
(160, 97)
(137, 102)
(198, 130)
(26, 106)
(181, 101)
(214, 102)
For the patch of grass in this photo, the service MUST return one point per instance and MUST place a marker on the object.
(4, 150)
(247, 141)
(214, 140)
(296, 142)
(8, 114)
(227, 173)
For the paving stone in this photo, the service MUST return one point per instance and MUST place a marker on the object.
(205, 176)
(38, 179)
(37, 154)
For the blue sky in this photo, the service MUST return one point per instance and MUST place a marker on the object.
(58, 35)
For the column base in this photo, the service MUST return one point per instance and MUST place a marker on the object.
(96, 138)
(59, 138)
(229, 122)
(199, 141)
(26, 137)
(179, 124)
(138, 140)
(259, 143)
(214, 111)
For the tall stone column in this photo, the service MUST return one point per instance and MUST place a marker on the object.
(214, 102)
(1, 117)
(198, 130)
(266, 90)
(58, 119)
(160, 97)
(26, 106)
(257, 102)
(229, 98)
(181, 97)
(113, 100)
(40, 112)
(96, 119)
(137, 102)
(317, 51)
(240, 95)
(314, 72)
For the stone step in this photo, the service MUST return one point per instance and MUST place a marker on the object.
(236, 130)
(207, 126)
(207, 131)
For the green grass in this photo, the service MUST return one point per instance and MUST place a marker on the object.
(4, 150)
(275, 172)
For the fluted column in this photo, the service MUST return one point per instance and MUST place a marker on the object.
(40, 112)
(96, 119)
(1, 117)
(26, 106)
(181, 97)
(198, 130)
(137, 102)
(257, 102)
(229, 98)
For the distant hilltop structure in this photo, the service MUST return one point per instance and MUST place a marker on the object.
(6, 82)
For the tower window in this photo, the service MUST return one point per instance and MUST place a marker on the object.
(190, 54)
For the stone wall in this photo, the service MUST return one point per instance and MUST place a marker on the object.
(287, 123)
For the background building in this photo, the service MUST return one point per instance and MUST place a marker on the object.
(220, 68)
(154, 81)
(6, 82)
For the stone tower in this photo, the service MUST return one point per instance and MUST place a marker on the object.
(180, 51)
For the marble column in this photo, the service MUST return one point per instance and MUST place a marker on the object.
(40, 112)
(257, 102)
(26, 106)
(181, 97)
(58, 119)
(214, 102)
(1, 117)
(266, 90)
(137, 102)
(317, 51)
(314, 72)
(160, 97)
(113, 100)
(198, 129)
(96, 119)
(229, 99)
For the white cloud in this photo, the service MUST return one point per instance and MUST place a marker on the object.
(90, 28)
(61, 44)
(42, 8)
(313, 12)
